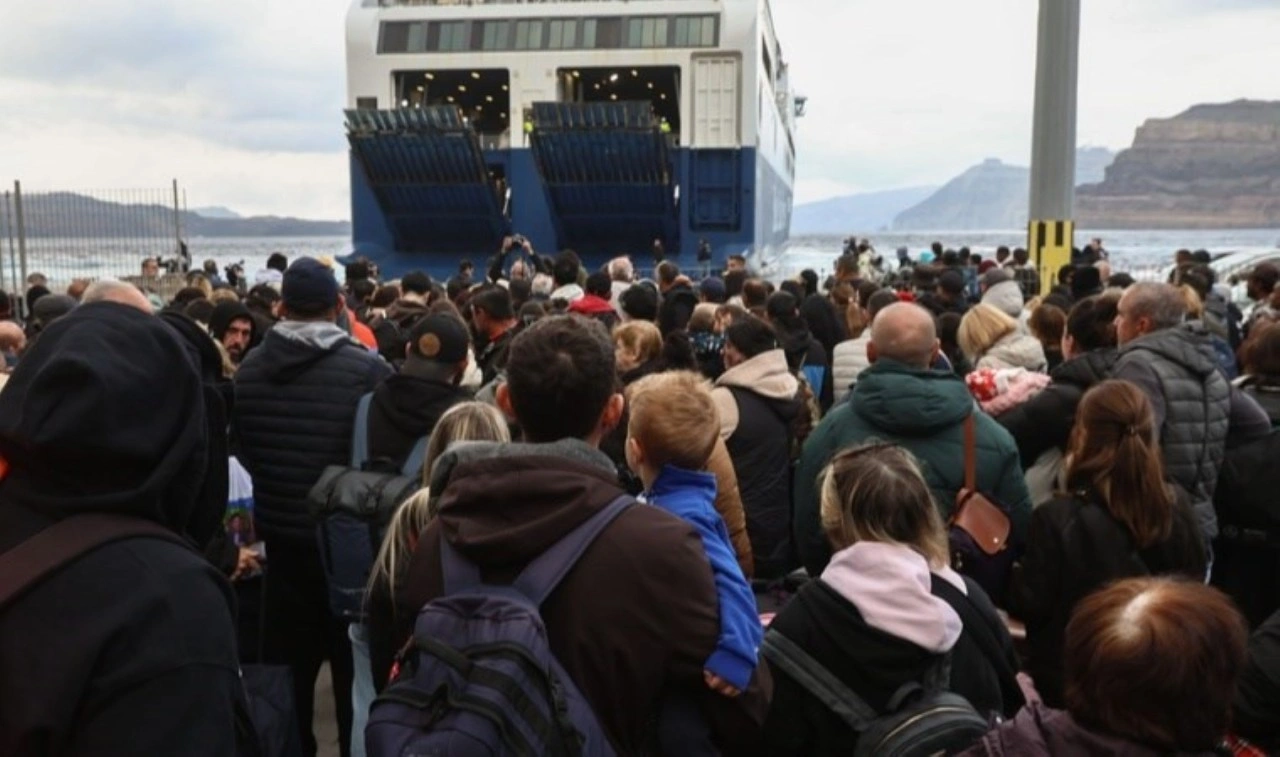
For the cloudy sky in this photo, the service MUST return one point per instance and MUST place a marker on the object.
(240, 99)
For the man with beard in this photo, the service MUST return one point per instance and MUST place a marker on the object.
(233, 326)
(494, 321)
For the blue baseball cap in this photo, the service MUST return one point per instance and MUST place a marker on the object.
(309, 286)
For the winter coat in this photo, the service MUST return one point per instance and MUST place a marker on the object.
(729, 504)
(1265, 391)
(129, 649)
(1044, 422)
(848, 361)
(595, 307)
(296, 398)
(876, 620)
(934, 304)
(1074, 547)
(492, 358)
(690, 496)
(645, 578)
(1039, 731)
(1005, 297)
(757, 403)
(924, 411)
(806, 355)
(405, 314)
(405, 409)
(826, 325)
(1255, 715)
(1195, 410)
(1015, 350)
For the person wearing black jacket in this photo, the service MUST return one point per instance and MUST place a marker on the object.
(295, 405)
(804, 353)
(1254, 713)
(406, 406)
(886, 609)
(1043, 422)
(129, 649)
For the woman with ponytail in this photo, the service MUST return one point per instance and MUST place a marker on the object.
(1119, 518)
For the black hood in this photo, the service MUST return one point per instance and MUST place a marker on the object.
(105, 414)
(412, 404)
(226, 312)
(286, 354)
(1086, 370)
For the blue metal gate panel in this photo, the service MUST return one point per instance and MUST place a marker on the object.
(716, 190)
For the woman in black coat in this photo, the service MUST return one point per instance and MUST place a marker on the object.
(1117, 521)
(886, 609)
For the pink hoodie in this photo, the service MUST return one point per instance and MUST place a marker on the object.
(890, 586)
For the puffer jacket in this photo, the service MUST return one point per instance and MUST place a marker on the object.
(1044, 422)
(729, 505)
(1265, 390)
(1005, 297)
(1178, 372)
(1016, 350)
(296, 398)
(758, 403)
(848, 360)
(924, 411)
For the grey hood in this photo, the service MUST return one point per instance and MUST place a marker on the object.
(1005, 297)
(1015, 350)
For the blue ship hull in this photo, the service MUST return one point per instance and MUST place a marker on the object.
(425, 200)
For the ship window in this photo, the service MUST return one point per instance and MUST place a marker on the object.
(608, 33)
(528, 35)
(403, 37)
(453, 36)
(589, 33)
(366, 103)
(496, 34)
(562, 34)
(647, 32)
(695, 31)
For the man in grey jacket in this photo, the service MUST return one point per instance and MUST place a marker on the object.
(1196, 409)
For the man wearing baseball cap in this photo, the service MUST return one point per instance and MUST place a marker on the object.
(407, 405)
(295, 405)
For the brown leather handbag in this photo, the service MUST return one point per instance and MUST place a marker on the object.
(979, 528)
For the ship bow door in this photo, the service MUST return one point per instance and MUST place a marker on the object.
(607, 171)
(426, 168)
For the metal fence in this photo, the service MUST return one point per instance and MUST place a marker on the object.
(66, 235)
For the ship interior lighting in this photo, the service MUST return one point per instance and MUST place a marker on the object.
(657, 85)
(481, 96)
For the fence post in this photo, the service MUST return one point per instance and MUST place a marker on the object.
(177, 222)
(22, 229)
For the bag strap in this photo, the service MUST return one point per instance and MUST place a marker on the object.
(817, 680)
(541, 576)
(971, 453)
(62, 543)
(414, 463)
(360, 433)
(982, 635)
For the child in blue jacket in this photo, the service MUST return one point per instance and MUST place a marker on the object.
(671, 435)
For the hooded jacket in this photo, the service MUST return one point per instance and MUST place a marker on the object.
(405, 313)
(1014, 350)
(1005, 297)
(924, 411)
(848, 361)
(130, 649)
(598, 308)
(1044, 422)
(757, 402)
(1196, 409)
(404, 409)
(226, 312)
(1038, 731)
(295, 404)
(633, 619)
(876, 622)
(1075, 547)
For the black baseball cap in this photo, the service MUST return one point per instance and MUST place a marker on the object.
(441, 338)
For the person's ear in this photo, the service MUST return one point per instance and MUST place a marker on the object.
(612, 414)
(872, 355)
(503, 397)
(634, 454)
(937, 349)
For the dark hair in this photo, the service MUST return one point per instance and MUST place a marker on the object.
(793, 288)
(1087, 281)
(1155, 661)
(278, 262)
(561, 374)
(1020, 255)
(416, 282)
(1120, 280)
(1115, 455)
(564, 270)
(677, 352)
(640, 303)
(187, 295)
(455, 288)
(1002, 250)
(495, 301)
(362, 289)
(733, 281)
(1265, 276)
(357, 270)
(751, 336)
(881, 299)
(809, 279)
(1047, 323)
(199, 310)
(1066, 273)
(521, 290)
(600, 284)
(531, 312)
(667, 272)
(385, 296)
(783, 309)
(847, 264)
(1091, 322)
(754, 293)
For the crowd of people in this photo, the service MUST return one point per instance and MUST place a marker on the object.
(639, 502)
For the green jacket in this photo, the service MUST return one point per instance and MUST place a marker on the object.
(923, 411)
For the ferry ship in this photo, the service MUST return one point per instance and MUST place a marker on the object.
(640, 127)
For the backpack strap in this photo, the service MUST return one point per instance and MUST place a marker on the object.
(62, 543)
(541, 576)
(360, 433)
(414, 463)
(980, 631)
(817, 680)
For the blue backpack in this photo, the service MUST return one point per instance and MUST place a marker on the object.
(479, 677)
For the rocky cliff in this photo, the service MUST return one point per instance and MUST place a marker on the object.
(1214, 166)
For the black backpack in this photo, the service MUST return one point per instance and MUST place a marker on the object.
(921, 719)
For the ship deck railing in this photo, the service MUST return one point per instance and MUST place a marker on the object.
(395, 3)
